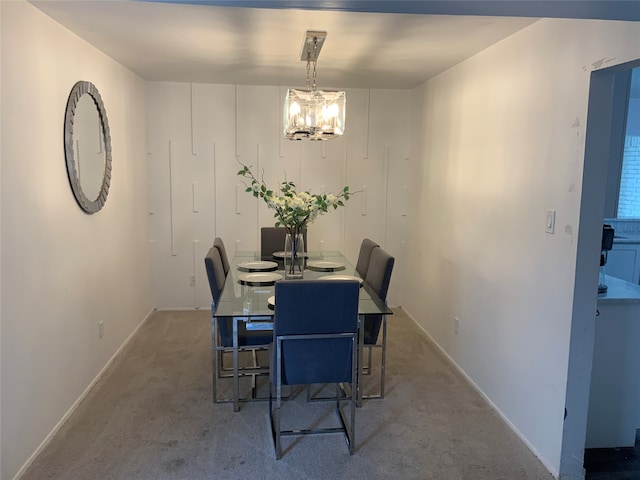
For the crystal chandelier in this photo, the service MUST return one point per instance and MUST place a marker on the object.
(311, 113)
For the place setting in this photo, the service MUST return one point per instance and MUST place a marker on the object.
(258, 266)
(259, 278)
(325, 266)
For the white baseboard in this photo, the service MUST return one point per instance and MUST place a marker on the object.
(443, 352)
(65, 417)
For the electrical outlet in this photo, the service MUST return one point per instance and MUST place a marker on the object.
(192, 281)
(100, 329)
(456, 325)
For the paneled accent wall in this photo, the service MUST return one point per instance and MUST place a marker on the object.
(198, 136)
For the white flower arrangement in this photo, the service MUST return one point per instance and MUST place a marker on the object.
(293, 210)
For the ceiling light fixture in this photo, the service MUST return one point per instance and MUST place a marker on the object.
(311, 113)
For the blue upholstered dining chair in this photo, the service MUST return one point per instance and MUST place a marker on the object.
(314, 341)
(364, 255)
(377, 279)
(219, 244)
(222, 330)
(272, 240)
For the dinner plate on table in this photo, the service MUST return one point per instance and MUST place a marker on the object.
(324, 266)
(341, 277)
(271, 302)
(259, 278)
(257, 266)
(283, 254)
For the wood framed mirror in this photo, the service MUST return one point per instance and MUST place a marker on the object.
(87, 147)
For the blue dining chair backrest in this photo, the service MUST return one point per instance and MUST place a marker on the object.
(215, 273)
(272, 240)
(378, 279)
(219, 244)
(364, 256)
(315, 307)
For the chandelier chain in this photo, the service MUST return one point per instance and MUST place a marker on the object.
(308, 69)
(315, 60)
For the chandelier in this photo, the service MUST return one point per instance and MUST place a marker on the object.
(312, 113)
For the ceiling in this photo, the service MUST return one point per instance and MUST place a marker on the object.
(381, 44)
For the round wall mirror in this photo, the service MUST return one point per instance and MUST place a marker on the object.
(87, 146)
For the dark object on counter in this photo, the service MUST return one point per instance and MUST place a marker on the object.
(608, 233)
(607, 237)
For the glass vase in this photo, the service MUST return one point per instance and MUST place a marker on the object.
(293, 256)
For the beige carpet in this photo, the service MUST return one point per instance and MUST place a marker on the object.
(151, 417)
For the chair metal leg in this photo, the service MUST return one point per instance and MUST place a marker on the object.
(274, 420)
(358, 372)
(352, 436)
(352, 424)
(384, 355)
(278, 386)
(383, 361)
(278, 443)
(214, 359)
(236, 380)
(349, 428)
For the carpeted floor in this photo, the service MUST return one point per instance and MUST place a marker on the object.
(151, 417)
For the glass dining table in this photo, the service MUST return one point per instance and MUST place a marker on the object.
(248, 296)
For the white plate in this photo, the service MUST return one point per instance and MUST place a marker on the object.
(282, 254)
(341, 277)
(324, 266)
(271, 301)
(257, 266)
(258, 278)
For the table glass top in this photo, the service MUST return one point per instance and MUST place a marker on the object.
(242, 298)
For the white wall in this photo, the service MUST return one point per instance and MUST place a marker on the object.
(499, 140)
(63, 271)
(198, 132)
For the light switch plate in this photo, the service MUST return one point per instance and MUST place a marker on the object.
(550, 226)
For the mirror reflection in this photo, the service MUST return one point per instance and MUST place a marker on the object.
(87, 147)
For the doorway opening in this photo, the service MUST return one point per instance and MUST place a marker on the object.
(605, 132)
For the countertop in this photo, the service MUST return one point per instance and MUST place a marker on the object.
(619, 291)
(626, 238)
